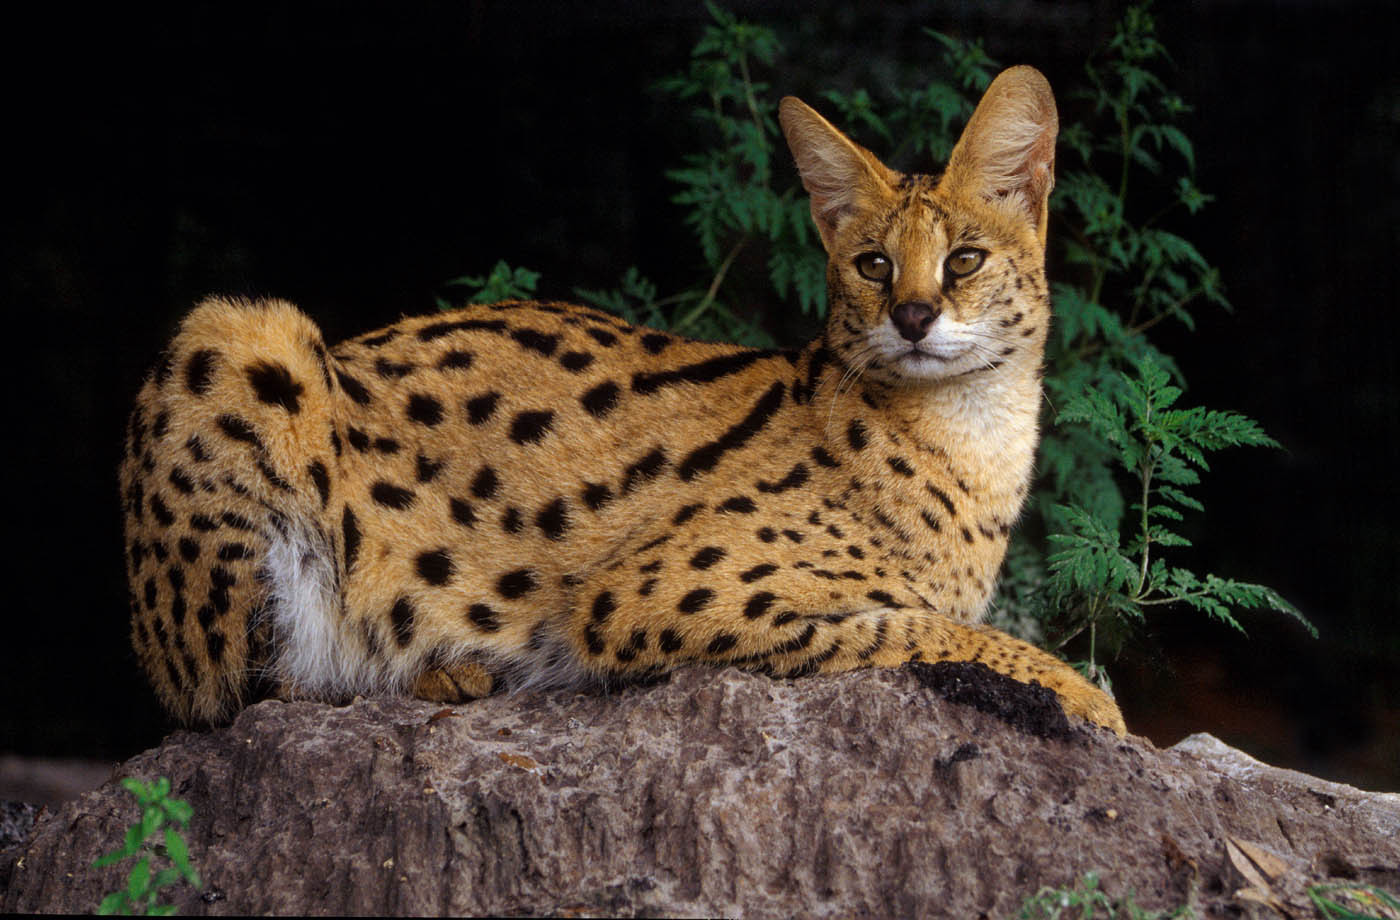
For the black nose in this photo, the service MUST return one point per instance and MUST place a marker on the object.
(913, 319)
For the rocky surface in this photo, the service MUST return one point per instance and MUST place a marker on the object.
(716, 793)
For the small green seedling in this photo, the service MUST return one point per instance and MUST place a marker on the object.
(1086, 901)
(159, 817)
(1353, 902)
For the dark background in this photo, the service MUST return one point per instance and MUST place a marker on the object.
(353, 157)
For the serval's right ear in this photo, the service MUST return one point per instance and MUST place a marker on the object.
(840, 175)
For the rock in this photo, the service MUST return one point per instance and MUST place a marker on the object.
(716, 793)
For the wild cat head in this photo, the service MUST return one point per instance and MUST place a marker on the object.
(937, 278)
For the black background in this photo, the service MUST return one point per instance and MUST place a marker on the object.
(352, 157)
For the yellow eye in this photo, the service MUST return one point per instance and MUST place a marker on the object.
(964, 262)
(874, 266)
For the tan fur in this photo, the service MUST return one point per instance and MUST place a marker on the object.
(543, 494)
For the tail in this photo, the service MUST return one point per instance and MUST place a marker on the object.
(231, 463)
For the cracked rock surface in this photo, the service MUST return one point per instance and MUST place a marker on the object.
(715, 794)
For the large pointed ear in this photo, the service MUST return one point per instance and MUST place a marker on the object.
(838, 174)
(1007, 151)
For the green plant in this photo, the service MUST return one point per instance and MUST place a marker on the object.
(1086, 901)
(1353, 902)
(501, 283)
(1118, 460)
(152, 838)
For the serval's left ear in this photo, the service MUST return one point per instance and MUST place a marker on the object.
(1007, 151)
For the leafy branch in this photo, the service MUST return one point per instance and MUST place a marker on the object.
(154, 839)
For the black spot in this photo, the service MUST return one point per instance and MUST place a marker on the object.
(740, 504)
(656, 342)
(160, 425)
(480, 408)
(424, 409)
(758, 605)
(534, 340)
(705, 457)
(593, 640)
(402, 615)
(884, 597)
(942, 497)
(722, 643)
(670, 641)
(462, 512)
(516, 583)
(392, 370)
(603, 605)
(749, 576)
(214, 643)
(350, 528)
(428, 469)
(335, 443)
(796, 478)
(273, 384)
(575, 360)
(456, 359)
(199, 371)
(150, 594)
(803, 392)
(706, 557)
(824, 458)
(181, 481)
(695, 601)
(486, 483)
(596, 495)
(236, 521)
(700, 372)
(793, 535)
(531, 427)
(647, 587)
(163, 514)
(685, 513)
(438, 330)
(602, 337)
(387, 445)
(856, 434)
(512, 521)
(967, 535)
(602, 399)
(855, 552)
(930, 520)
(390, 495)
(484, 618)
(189, 549)
(221, 579)
(900, 466)
(435, 566)
(358, 439)
(352, 387)
(317, 469)
(232, 552)
(163, 370)
(643, 470)
(203, 522)
(239, 430)
(197, 449)
(384, 338)
(786, 617)
(767, 534)
(553, 519)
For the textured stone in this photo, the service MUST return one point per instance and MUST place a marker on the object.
(716, 793)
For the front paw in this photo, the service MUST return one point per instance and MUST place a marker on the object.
(1083, 699)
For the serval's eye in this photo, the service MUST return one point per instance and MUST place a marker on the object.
(964, 262)
(874, 266)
